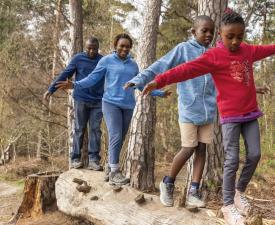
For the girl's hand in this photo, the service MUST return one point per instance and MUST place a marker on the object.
(149, 88)
(262, 90)
(167, 93)
(68, 84)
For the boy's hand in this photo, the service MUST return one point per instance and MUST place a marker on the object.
(127, 85)
(46, 96)
(65, 84)
(167, 93)
(149, 88)
(262, 90)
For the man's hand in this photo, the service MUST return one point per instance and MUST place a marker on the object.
(127, 85)
(149, 88)
(68, 84)
(46, 96)
(262, 90)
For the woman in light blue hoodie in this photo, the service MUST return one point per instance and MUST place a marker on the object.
(196, 106)
(117, 104)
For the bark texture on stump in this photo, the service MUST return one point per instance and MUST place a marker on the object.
(39, 194)
(141, 152)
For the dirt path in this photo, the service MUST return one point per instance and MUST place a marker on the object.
(10, 198)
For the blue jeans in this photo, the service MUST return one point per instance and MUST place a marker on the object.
(117, 121)
(87, 113)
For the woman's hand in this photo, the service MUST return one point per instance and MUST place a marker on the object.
(127, 85)
(68, 84)
(149, 88)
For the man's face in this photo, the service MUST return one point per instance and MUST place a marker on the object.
(92, 49)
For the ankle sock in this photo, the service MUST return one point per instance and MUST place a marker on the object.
(194, 187)
(169, 180)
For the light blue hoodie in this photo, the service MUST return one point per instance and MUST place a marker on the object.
(117, 72)
(196, 97)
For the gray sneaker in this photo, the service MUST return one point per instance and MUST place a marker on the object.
(76, 164)
(194, 200)
(117, 178)
(107, 170)
(95, 165)
(166, 193)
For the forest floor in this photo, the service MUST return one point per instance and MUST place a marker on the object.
(261, 189)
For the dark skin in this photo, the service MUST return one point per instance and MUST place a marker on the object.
(122, 48)
(92, 51)
(232, 36)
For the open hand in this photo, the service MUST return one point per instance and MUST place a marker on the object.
(127, 85)
(68, 84)
(167, 93)
(149, 88)
(262, 90)
(46, 96)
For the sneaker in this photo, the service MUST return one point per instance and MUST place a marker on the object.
(232, 216)
(95, 165)
(117, 178)
(107, 170)
(242, 203)
(76, 164)
(194, 200)
(166, 193)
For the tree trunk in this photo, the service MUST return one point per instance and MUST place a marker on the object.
(212, 176)
(76, 38)
(141, 152)
(39, 194)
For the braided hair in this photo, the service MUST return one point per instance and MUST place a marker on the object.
(231, 17)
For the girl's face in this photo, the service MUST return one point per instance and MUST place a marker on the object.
(232, 35)
(123, 47)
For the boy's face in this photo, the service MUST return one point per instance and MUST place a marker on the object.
(204, 32)
(232, 35)
(91, 49)
(123, 47)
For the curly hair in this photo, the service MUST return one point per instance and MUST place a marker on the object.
(230, 17)
(121, 36)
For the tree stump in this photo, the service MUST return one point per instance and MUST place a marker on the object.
(39, 194)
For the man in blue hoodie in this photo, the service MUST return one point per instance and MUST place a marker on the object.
(87, 103)
(196, 106)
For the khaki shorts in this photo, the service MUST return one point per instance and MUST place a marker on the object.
(192, 134)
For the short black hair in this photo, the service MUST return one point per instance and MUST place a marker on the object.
(200, 19)
(123, 35)
(231, 17)
(93, 40)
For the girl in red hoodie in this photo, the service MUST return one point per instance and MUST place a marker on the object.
(230, 64)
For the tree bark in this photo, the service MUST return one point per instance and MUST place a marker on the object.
(76, 42)
(212, 176)
(39, 194)
(141, 152)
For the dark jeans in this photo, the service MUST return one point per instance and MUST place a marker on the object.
(231, 141)
(91, 114)
(117, 122)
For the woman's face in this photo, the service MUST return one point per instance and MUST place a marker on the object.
(123, 47)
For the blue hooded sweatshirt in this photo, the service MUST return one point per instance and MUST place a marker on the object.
(81, 65)
(116, 73)
(196, 97)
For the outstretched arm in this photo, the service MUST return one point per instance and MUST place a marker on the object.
(198, 67)
(168, 61)
(262, 51)
(92, 79)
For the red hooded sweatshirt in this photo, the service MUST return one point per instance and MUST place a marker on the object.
(232, 73)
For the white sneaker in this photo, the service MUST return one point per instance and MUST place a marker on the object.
(242, 203)
(194, 201)
(232, 216)
(166, 193)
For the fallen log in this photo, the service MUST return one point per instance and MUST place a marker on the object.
(119, 208)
